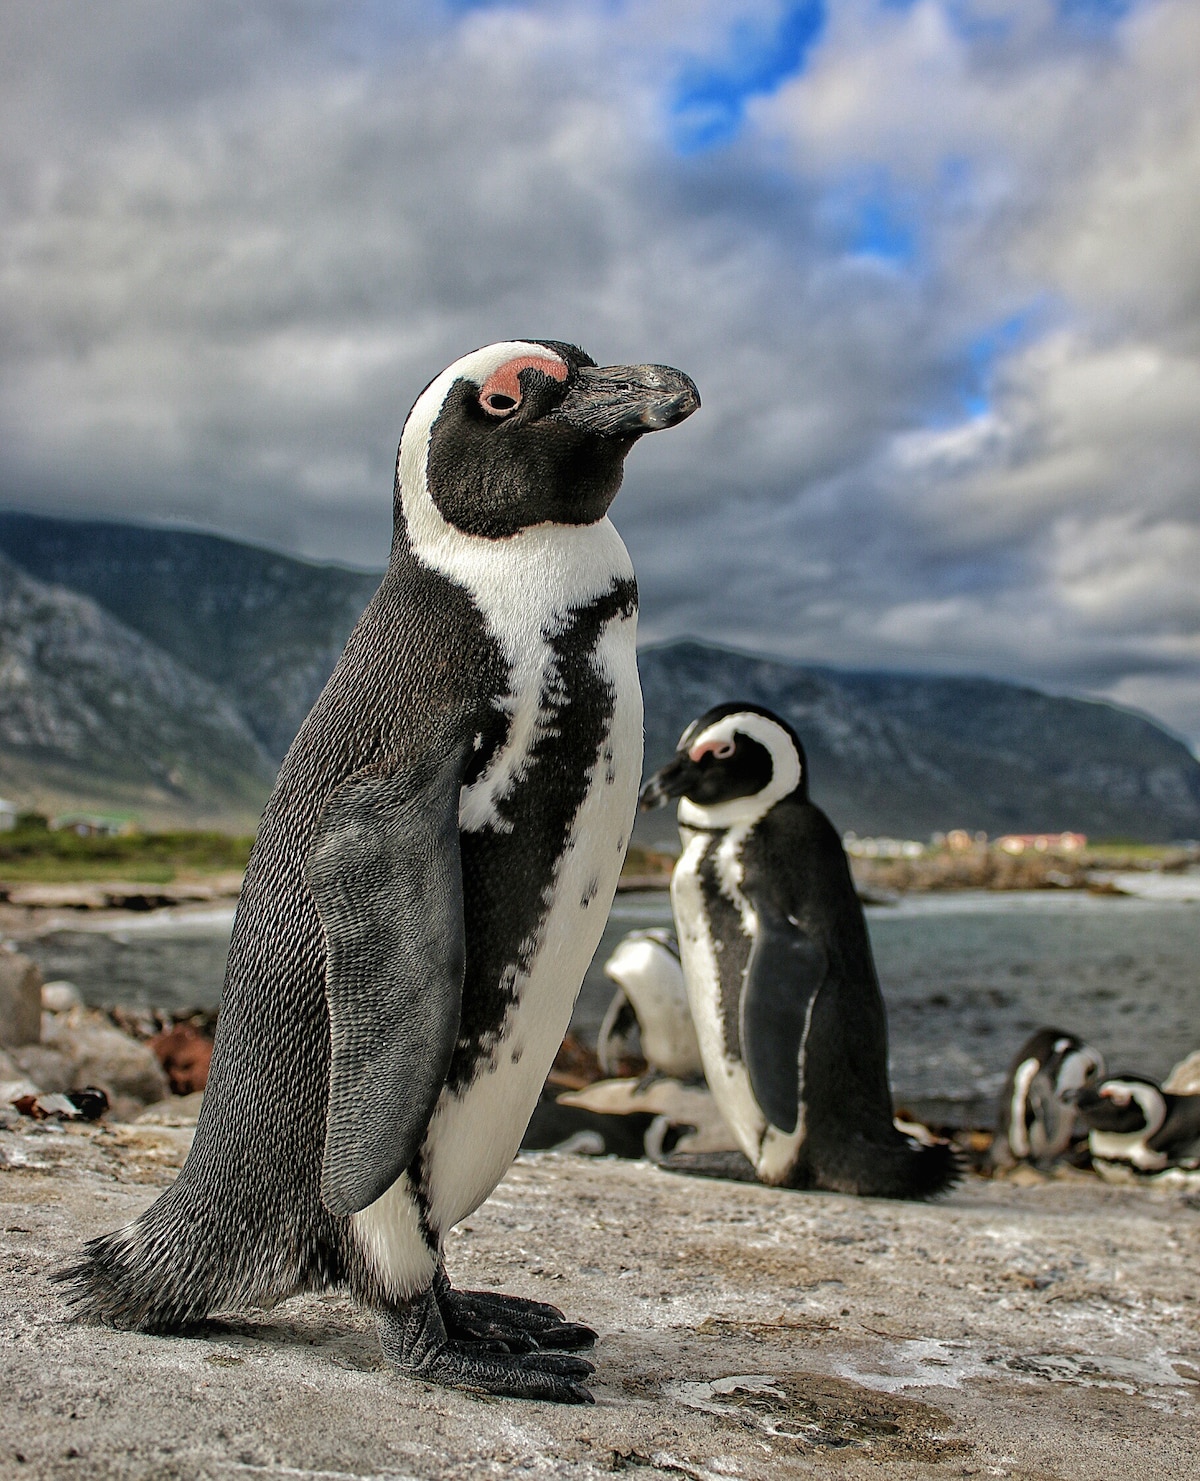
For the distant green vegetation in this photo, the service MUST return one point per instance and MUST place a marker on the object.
(32, 851)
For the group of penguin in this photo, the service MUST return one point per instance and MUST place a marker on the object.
(431, 877)
(1058, 1103)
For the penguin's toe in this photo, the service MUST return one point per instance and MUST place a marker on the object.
(533, 1375)
(415, 1340)
(519, 1325)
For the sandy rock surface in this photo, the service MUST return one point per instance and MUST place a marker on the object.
(1034, 1329)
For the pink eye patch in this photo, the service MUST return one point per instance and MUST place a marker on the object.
(721, 749)
(501, 392)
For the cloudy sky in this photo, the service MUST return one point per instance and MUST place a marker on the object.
(932, 263)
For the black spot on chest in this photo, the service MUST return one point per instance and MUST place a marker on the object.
(509, 871)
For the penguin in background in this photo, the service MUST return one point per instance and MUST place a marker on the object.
(789, 1016)
(1131, 1120)
(429, 882)
(1037, 1119)
(651, 998)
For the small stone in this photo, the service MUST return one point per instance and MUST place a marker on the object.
(20, 1000)
(176, 1110)
(60, 996)
(1184, 1079)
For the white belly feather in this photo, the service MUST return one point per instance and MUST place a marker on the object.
(772, 1151)
(543, 574)
(474, 1137)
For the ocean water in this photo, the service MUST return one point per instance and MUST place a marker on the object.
(966, 977)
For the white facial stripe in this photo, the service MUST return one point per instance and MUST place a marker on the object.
(525, 586)
(1149, 1101)
(544, 568)
(1076, 1069)
(785, 772)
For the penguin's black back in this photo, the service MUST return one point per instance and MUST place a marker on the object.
(794, 858)
(244, 1221)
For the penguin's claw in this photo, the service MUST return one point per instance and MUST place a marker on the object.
(414, 1339)
(511, 1323)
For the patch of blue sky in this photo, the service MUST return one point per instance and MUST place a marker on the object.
(984, 352)
(867, 217)
(1095, 13)
(883, 234)
(709, 102)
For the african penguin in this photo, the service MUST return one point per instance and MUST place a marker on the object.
(1037, 1120)
(788, 1012)
(651, 996)
(1131, 1120)
(429, 882)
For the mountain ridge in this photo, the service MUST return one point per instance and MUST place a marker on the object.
(94, 716)
(889, 752)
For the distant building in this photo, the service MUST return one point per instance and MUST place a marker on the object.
(958, 840)
(881, 848)
(8, 815)
(1042, 843)
(95, 825)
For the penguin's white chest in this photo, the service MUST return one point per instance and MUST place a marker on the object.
(475, 1133)
(706, 880)
(706, 952)
(528, 591)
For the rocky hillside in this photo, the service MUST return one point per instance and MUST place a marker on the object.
(906, 754)
(263, 627)
(248, 637)
(92, 715)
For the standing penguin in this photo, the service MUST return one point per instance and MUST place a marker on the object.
(788, 1012)
(430, 879)
(1037, 1119)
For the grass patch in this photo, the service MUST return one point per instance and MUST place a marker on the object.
(35, 854)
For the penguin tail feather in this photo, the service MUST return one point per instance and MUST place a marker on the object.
(897, 1169)
(123, 1280)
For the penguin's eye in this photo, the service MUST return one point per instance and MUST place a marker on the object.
(717, 750)
(501, 394)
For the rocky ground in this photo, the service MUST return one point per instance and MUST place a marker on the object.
(1033, 1329)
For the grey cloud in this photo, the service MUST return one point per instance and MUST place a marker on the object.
(237, 242)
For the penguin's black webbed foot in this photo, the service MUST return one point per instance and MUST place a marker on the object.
(415, 1340)
(507, 1323)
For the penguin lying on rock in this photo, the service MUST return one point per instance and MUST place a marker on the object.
(1038, 1119)
(1132, 1121)
(651, 998)
(788, 1012)
(430, 880)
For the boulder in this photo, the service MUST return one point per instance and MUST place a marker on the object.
(20, 1000)
(47, 1068)
(101, 1055)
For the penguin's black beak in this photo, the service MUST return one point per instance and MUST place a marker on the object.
(675, 779)
(627, 400)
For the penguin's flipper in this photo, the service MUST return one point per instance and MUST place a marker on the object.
(385, 872)
(786, 971)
